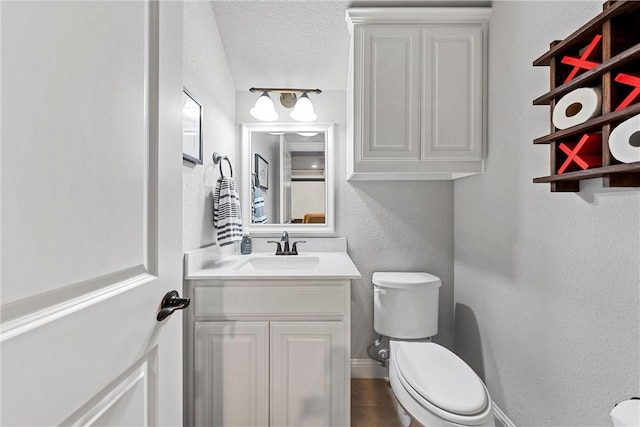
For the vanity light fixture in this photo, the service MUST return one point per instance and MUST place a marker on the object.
(303, 111)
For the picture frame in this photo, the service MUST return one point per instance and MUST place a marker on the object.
(262, 172)
(191, 128)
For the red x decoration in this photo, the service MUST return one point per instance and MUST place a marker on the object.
(586, 153)
(582, 63)
(635, 93)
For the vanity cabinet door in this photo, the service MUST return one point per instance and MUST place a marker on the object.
(231, 374)
(308, 374)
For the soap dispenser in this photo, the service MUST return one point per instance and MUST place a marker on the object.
(245, 245)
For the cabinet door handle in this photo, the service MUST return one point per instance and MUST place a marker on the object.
(170, 303)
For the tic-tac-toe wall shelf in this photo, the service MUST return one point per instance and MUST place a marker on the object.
(604, 53)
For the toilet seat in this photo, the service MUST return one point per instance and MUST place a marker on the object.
(438, 381)
(441, 377)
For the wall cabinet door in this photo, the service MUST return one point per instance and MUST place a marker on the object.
(231, 374)
(417, 94)
(452, 93)
(391, 92)
(308, 374)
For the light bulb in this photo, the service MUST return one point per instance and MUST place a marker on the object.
(264, 109)
(303, 112)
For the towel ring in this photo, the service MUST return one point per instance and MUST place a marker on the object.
(217, 161)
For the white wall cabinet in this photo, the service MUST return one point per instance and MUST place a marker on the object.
(417, 93)
(268, 353)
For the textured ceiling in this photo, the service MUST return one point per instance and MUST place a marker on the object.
(293, 43)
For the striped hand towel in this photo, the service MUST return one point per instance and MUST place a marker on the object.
(227, 219)
(259, 217)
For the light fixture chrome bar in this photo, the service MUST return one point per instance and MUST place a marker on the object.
(283, 90)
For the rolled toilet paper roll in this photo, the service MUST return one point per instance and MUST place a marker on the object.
(577, 107)
(624, 141)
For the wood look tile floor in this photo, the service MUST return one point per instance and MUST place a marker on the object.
(372, 403)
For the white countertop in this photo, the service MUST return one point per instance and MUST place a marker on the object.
(324, 265)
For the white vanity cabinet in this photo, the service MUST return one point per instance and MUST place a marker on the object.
(268, 352)
(416, 93)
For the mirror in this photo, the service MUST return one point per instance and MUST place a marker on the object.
(287, 178)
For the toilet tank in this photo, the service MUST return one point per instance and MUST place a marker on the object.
(405, 305)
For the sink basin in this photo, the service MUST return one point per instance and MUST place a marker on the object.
(283, 262)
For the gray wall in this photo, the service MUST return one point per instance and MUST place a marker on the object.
(207, 77)
(546, 284)
(403, 226)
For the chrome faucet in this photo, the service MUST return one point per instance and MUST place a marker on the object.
(283, 245)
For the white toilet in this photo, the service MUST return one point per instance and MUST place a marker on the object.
(434, 386)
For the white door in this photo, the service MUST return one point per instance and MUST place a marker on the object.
(90, 212)
(285, 183)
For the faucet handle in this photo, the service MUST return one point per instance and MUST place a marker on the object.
(294, 248)
(278, 249)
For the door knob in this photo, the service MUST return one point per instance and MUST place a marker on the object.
(170, 303)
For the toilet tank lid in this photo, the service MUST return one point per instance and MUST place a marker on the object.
(405, 280)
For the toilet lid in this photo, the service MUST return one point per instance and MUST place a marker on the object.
(441, 377)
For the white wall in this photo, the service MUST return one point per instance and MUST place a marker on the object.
(546, 284)
(403, 226)
(208, 79)
(307, 196)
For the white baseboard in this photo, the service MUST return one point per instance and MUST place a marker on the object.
(501, 416)
(367, 368)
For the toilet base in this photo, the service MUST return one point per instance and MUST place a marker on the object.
(406, 420)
